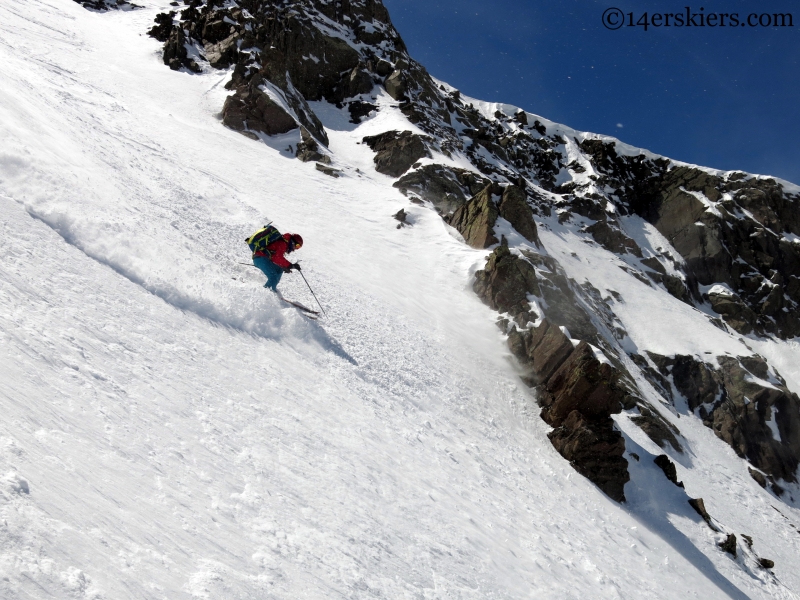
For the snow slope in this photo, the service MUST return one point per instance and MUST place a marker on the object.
(170, 430)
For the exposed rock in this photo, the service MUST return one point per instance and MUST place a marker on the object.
(475, 220)
(594, 449)
(741, 415)
(700, 507)
(514, 208)
(584, 384)
(358, 110)
(546, 348)
(163, 26)
(104, 5)
(328, 170)
(729, 545)
(506, 281)
(446, 188)
(251, 109)
(738, 408)
(175, 54)
(308, 148)
(695, 380)
(758, 476)
(612, 239)
(735, 312)
(665, 464)
(224, 53)
(657, 428)
(396, 151)
(357, 82)
(401, 215)
(766, 563)
(395, 85)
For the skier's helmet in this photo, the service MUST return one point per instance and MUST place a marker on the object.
(297, 241)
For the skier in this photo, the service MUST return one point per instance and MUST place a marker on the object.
(269, 253)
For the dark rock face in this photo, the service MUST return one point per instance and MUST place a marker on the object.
(506, 282)
(446, 188)
(396, 151)
(252, 110)
(612, 239)
(395, 85)
(358, 110)
(577, 392)
(665, 464)
(741, 411)
(283, 44)
(729, 231)
(741, 419)
(545, 348)
(582, 383)
(657, 428)
(594, 449)
(163, 26)
(308, 148)
(104, 5)
(175, 54)
(475, 220)
(700, 507)
(514, 208)
(729, 545)
(224, 53)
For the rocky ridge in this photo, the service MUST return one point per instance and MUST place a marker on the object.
(732, 240)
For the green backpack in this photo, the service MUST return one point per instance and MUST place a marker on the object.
(262, 238)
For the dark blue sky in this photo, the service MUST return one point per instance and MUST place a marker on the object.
(725, 97)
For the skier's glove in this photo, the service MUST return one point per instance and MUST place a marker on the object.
(296, 266)
(287, 269)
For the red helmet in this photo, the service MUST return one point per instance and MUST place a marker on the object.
(298, 241)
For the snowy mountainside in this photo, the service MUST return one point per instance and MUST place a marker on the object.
(170, 430)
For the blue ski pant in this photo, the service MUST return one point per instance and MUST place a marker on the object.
(271, 270)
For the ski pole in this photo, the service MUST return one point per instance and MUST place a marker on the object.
(248, 264)
(312, 292)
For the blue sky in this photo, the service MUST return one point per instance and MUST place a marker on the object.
(724, 97)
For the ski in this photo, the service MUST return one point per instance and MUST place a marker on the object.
(300, 306)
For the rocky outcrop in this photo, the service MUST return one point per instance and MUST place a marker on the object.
(513, 207)
(447, 188)
(308, 148)
(396, 151)
(578, 392)
(729, 544)
(395, 85)
(104, 5)
(176, 56)
(657, 428)
(505, 282)
(663, 462)
(476, 219)
(582, 383)
(223, 54)
(285, 45)
(730, 230)
(252, 110)
(735, 312)
(700, 507)
(745, 404)
(594, 449)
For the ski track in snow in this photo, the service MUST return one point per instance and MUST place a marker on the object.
(170, 430)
